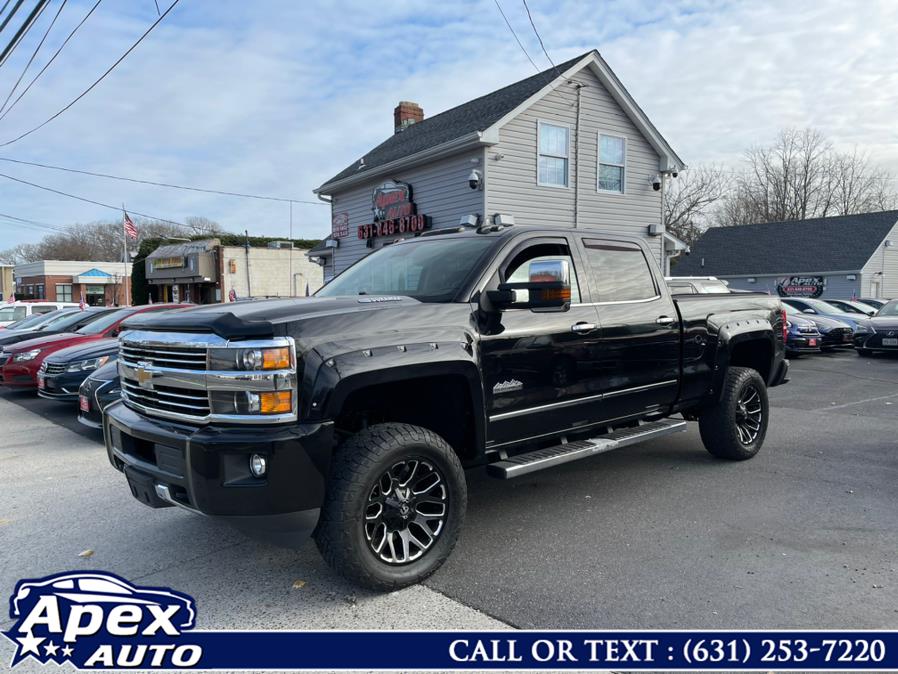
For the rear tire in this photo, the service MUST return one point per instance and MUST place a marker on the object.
(735, 428)
(380, 525)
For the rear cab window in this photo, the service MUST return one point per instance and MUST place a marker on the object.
(620, 271)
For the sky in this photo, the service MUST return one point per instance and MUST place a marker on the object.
(274, 98)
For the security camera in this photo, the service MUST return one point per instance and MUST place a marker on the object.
(674, 174)
(474, 180)
(656, 182)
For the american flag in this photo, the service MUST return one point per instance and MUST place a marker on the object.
(82, 304)
(11, 299)
(130, 229)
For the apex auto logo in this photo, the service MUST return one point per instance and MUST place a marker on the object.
(95, 619)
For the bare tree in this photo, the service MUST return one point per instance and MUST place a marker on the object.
(690, 199)
(801, 176)
(101, 241)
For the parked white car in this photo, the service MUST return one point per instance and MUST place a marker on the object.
(10, 313)
(696, 285)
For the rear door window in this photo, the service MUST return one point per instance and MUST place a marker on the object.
(621, 272)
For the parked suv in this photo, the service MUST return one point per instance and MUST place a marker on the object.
(10, 313)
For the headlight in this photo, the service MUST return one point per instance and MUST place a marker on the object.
(89, 364)
(252, 402)
(250, 359)
(26, 355)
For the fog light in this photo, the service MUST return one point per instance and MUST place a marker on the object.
(258, 465)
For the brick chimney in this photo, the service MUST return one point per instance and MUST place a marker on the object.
(406, 114)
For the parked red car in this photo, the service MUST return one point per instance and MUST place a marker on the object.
(20, 362)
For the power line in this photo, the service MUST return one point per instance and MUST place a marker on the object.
(34, 224)
(33, 55)
(97, 81)
(540, 39)
(96, 203)
(160, 184)
(52, 58)
(517, 39)
(12, 13)
(23, 29)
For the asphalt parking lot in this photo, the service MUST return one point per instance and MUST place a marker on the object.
(660, 535)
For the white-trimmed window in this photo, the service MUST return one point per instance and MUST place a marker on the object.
(554, 144)
(612, 163)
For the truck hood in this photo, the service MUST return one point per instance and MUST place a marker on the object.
(265, 318)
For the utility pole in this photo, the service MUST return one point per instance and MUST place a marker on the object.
(249, 290)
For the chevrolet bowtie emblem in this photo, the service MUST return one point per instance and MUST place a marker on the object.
(144, 376)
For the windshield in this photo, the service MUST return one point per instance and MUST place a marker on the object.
(890, 309)
(75, 320)
(35, 320)
(8, 314)
(101, 324)
(428, 270)
(822, 307)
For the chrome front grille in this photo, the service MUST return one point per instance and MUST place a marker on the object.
(168, 399)
(178, 358)
(168, 375)
(53, 368)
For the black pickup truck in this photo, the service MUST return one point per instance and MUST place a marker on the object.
(352, 415)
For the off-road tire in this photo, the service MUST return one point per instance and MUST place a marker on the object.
(357, 465)
(718, 425)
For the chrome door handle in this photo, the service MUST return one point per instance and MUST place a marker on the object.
(583, 327)
(665, 320)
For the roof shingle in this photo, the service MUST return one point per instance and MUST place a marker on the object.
(841, 243)
(476, 115)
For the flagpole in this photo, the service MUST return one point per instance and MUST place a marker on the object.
(125, 301)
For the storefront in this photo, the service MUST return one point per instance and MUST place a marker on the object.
(101, 284)
(205, 272)
(184, 272)
(573, 150)
(839, 257)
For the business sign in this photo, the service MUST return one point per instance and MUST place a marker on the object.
(801, 286)
(340, 224)
(169, 263)
(395, 212)
(95, 620)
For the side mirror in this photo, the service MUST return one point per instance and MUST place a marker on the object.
(548, 288)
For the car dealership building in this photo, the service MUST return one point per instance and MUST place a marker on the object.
(566, 147)
(838, 257)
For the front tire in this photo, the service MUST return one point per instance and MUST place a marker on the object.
(866, 353)
(395, 504)
(735, 428)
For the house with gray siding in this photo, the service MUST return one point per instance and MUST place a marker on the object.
(837, 257)
(566, 147)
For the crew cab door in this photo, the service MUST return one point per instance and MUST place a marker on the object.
(539, 367)
(640, 340)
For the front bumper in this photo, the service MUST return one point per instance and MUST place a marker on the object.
(801, 343)
(206, 470)
(14, 374)
(874, 341)
(62, 386)
(838, 338)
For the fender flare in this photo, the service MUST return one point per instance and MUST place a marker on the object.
(730, 335)
(339, 377)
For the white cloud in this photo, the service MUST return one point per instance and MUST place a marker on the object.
(276, 97)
